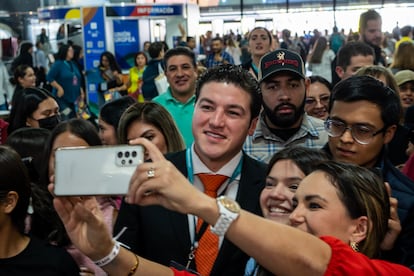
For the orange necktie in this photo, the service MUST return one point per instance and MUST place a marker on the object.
(207, 250)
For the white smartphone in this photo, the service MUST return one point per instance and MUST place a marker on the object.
(99, 170)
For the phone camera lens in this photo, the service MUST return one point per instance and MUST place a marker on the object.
(127, 154)
(123, 161)
(130, 161)
(120, 154)
(134, 154)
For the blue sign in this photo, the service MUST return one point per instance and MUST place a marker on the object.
(94, 45)
(126, 41)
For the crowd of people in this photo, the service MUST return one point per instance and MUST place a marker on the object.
(271, 156)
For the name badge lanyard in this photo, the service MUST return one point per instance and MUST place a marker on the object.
(203, 228)
(74, 78)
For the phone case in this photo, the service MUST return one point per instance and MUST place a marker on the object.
(100, 170)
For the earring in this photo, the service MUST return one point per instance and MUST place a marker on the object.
(354, 246)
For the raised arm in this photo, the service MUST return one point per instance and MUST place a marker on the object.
(87, 230)
(281, 249)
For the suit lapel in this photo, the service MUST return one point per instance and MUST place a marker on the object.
(179, 222)
(251, 184)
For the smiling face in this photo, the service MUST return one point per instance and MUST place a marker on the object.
(283, 100)
(221, 122)
(29, 78)
(181, 75)
(319, 211)
(407, 94)
(317, 100)
(259, 42)
(281, 185)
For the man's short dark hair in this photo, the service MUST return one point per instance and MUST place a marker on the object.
(237, 76)
(367, 88)
(406, 30)
(180, 51)
(155, 49)
(351, 49)
(217, 38)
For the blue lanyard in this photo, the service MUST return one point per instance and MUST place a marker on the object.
(190, 171)
(254, 67)
(190, 176)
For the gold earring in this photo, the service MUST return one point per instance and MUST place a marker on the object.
(354, 246)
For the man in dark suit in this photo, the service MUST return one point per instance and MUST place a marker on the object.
(228, 102)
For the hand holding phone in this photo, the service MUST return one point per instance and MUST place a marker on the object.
(99, 170)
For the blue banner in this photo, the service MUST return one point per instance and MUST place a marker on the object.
(94, 45)
(126, 42)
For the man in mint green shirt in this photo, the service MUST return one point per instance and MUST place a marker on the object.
(181, 73)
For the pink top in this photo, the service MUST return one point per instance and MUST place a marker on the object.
(107, 205)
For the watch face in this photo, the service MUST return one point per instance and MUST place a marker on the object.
(230, 205)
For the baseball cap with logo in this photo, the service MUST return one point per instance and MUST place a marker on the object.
(281, 60)
(404, 76)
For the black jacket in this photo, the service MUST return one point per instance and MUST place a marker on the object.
(162, 235)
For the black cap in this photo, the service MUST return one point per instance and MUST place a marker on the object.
(281, 60)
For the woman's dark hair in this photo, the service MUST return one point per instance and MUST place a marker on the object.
(153, 114)
(82, 129)
(29, 143)
(26, 106)
(314, 79)
(320, 48)
(155, 49)
(76, 51)
(305, 158)
(63, 51)
(25, 47)
(140, 53)
(19, 72)
(113, 65)
(14, 177)
(112, 111)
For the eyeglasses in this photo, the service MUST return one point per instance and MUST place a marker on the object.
(363, 134)
(324, 100)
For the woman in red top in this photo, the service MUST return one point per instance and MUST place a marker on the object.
(338, 204)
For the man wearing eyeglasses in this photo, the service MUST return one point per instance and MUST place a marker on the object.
(283, 121)
(363, 117)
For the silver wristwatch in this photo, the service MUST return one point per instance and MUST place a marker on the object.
(229, 211)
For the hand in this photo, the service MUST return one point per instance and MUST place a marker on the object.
(168, 187)
(60, 92)
(394, 225)
(84, 224)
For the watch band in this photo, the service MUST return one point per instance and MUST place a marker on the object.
(229, 211)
